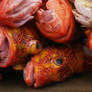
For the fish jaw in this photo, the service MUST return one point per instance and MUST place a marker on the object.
(38, 76)
(29, 75)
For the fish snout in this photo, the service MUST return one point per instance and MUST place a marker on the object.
(28, 74)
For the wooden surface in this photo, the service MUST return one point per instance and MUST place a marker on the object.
(12, 82)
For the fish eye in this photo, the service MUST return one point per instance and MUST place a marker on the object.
(59, 61)
(37, 46)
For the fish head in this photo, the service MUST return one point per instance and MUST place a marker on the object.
(50, 66)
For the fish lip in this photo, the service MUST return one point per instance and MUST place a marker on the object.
(34, 78)
(10, 57)
(1, 38)
(29, 74)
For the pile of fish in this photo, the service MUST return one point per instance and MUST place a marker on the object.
(49, 40)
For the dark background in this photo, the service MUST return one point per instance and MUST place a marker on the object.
(13, 82)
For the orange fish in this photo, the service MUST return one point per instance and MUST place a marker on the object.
(16, 45)
(55, 64)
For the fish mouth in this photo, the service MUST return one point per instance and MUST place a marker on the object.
(29, 74)
(4, 48)
(6, 52)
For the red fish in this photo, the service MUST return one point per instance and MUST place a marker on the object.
(17, 12)
(17, 44)
(56, 21)
(55, 64)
